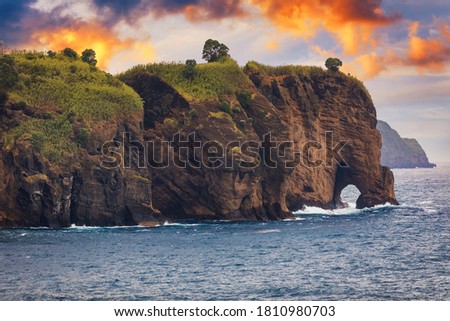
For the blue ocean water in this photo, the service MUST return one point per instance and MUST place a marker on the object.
(385, 253)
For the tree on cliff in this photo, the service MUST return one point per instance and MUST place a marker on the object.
(333, 64)
(214, 50)
(88, 56)
(189, 69)
(69, 52)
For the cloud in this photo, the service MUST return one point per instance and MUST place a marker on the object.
(430, 54)
(195, 10)
(83, 35)
(352, 22)
(81, 24)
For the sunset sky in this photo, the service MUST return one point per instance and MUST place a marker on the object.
(400, 48)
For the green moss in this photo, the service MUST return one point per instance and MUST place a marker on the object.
(171, 121)
(225, 107)
(211, 80)
(244, 98)
(220, 115)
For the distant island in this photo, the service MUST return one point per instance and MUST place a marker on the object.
(398, 152)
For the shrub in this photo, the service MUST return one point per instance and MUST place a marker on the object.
(225, 107)
(69, 52)
(333, 64)
(83, 137)
(236, 110)
(244, 98)
(192, 113)
(51, 54)
(47, 115)
(88, 56)
(189, 69)
(71, 116)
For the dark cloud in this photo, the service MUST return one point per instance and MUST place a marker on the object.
(113, 11)
(11, 14)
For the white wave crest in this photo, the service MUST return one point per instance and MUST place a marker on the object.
(350, 210)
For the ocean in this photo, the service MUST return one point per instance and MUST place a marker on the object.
(385, 253)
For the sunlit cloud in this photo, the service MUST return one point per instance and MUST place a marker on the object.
(83, 35)
(430, 54)
(351, 22)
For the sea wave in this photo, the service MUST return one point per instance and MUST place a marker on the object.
(350, 210)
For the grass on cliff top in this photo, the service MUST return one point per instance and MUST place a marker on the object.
(253, 66)
(209, 82)
(62, 84)
(60, 91)
(296, 70)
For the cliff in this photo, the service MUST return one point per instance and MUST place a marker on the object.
(57, 119)
(398, 152)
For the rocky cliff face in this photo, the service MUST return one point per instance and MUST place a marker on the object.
(296, 109)
(398, 152)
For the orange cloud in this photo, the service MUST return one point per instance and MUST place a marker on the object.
(272, 45)
(81, 36)
(428, 54)
(352, 22)
(371, 65)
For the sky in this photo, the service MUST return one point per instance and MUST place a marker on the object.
(399, 48)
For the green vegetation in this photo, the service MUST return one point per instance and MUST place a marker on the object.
(88, 56)
(333, 64)
(253, 66)
(70, 53)
(211, 80)
(214, 51)
(311, 71)
(225, 107)
(64, 85)
(192, 113)
(189, 69)
(220, 115)
(171, 121)
(83, 137)
(47, 115)
(50, 138)
(244, 98)
(58, 84)
(8, 73)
